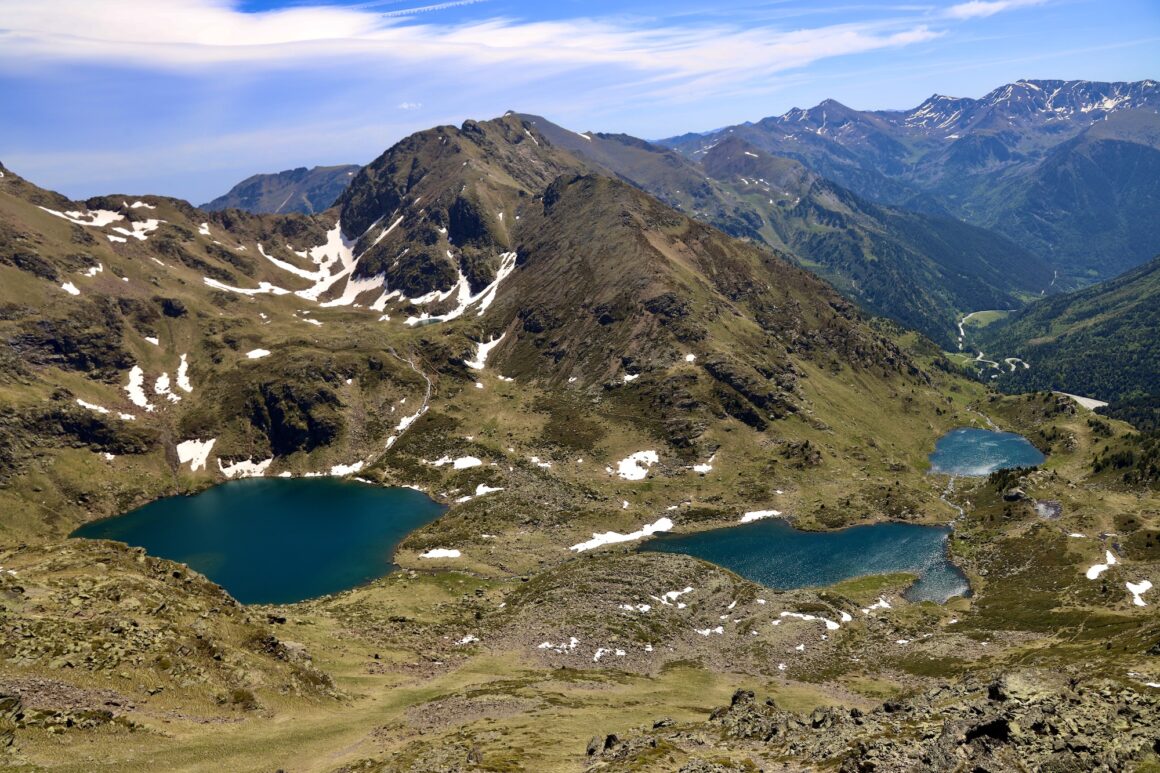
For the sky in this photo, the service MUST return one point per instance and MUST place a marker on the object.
(187, 97)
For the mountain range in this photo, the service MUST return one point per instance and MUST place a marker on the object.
(954, 206)
(572, 342)
(1066, 169)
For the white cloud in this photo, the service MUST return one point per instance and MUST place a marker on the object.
(410, 105)
(184, 35)
(976, 9)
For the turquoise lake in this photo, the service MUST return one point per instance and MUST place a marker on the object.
(775, 554)
(975, 452)
(277, 541)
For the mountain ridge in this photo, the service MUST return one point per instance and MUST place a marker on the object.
(986, 161)
(300, 190)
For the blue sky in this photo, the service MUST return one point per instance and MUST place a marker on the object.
(186, 97)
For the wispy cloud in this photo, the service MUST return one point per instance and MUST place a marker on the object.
(186, 35)
(430, 8)
(976, 9)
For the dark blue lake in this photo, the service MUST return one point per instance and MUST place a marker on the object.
(277, 540)
(773, 553)
(976, 452)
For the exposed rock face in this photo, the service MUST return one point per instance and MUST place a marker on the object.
(1021, 720)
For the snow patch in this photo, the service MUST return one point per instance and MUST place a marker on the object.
(245, 469)
(183, 382)
(97, 218)
(441, 553)
(705, 467)
(462, 291)
(354, 288)
(136, 388)
(264, 288)
(70, 288)
(1137, 589)
(93, 407)
(140, 229)
(757, 515)
(573, 642)
(1094, 571)
(642, 608)
(196, 452)
(341, 470)
(161, 387)
(612, 537)
(257, 354)
(482, 350)
(462, 463)
(636, 466)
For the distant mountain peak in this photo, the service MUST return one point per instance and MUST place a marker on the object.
(301, 190)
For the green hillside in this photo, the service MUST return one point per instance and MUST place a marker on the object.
(1099, 342)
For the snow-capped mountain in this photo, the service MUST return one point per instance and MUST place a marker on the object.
(1066, 169)
(1029, 102)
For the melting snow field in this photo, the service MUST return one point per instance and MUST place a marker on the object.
(462, 463)
(1138, 589)
(140, 229)
(612, 537)
(462, 292)
(342, 470)
(183, 382)
(264, 288)
(441, 553)
(136, 389)
(195, 452)
(757, 515)
(97, 218)
(481, 352)
(705, 467)
(245, 469)
(636, 466)
(1094, 571)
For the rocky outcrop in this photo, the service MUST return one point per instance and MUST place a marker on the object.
(1020, 720)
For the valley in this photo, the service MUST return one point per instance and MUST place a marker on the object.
(569, 365)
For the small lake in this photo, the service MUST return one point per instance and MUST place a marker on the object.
(277, 540)
(773, 553)
(976, 452)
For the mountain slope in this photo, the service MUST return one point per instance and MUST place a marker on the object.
(1099, 341)
(917, 269)
(302, 190)
(558, 357)
(993, 162)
